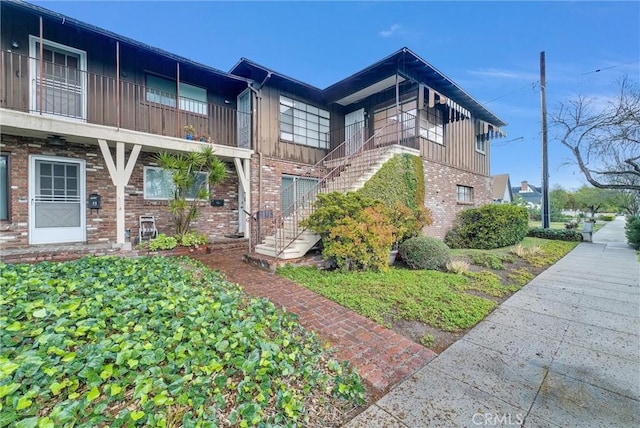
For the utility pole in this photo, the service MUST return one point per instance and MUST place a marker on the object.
(545, 160)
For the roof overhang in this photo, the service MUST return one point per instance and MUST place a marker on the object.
(374, 88)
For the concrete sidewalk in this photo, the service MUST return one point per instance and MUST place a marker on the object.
(563, 351)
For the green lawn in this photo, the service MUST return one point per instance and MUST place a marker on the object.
(155, 342)
(447, 301)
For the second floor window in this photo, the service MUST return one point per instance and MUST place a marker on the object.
(303, 123)
(164, 91)
(432, 125)
(481, 143)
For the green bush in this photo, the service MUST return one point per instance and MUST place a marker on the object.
(400, 179)
(632, 231)
(607, 217)
(423, 252)
(555, 234)
(163, 242)
(490, 226)
(194, 239)
(488, 260)
(357, 232)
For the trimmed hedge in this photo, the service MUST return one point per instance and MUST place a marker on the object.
(555, 234)
(423, 252)
(632, 231)
(490, 226)
(400, 179)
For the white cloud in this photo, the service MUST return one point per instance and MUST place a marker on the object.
(504, 74)
(394, 29)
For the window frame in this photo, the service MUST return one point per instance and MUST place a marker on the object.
(161, 96)
(431, 115)
(166, 171)
(300, 121)
(480, 138)
(466, 192)
(7, 184)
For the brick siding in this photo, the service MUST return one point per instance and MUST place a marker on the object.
(101, 224)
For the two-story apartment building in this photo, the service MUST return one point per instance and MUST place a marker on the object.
(83, 111)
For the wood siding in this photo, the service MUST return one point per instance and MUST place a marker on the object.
(459, 149)
(268, 133)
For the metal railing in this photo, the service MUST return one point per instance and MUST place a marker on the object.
(338, 171)
(106, 100)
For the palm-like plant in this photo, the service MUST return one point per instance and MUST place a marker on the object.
(188, 186)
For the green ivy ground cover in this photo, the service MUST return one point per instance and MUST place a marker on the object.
(155, 342)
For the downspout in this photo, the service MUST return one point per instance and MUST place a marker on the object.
(41, 65)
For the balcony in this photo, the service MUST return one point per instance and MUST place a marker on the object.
(66, 92)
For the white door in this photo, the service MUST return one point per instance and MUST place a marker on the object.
(56, 194)
(244, 120)
(353, 131)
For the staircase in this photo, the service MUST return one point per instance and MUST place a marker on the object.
(280, 234)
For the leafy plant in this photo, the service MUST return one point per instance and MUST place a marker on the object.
(556, 234)
(427, 340)
(490, 226)
(632, 231)
(194, 239)
(488, 260)
(356, 231)
(155, 342)
(163, 242)
(408, 223)
(400, 179)
(423, 252)
(189, 189)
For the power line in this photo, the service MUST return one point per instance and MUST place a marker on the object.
(533, 86)
(609, 68)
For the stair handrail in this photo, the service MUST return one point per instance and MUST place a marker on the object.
(301, 208)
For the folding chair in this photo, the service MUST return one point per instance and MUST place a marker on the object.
(148, 228)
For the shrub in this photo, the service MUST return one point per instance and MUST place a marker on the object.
(488, 260)
(457, 266)
(555, 234)
(423, 252)
(490, 226)
(194, 239)
(357, 232)
(632, 231)
(408, 223)
(607, 217)
(163, 242)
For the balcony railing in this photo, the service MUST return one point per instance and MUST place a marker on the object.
(69, 92)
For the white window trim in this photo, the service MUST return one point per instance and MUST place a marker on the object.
(481, 151)
(33, 105)
(144, 184)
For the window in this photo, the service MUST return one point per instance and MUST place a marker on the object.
(303, 124)
(62, 79)
(465, 194)
(4, 187)
(388, 116)
(481, 143)
(432, 125)
(158, 183)
(163, 91)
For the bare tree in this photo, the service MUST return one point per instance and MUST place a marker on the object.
(604, 136)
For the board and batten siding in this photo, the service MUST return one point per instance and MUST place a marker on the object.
(268, 138)
(459, 149)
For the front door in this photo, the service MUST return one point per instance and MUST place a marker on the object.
(296, 192)
(57, 207)
(353, 131)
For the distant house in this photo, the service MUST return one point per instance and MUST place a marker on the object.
(531, 195)
(501, 185)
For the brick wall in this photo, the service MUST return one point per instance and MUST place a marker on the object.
(101, 224)
(441, 183)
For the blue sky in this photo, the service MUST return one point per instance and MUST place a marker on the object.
(491, 49)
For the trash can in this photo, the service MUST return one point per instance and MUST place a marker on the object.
(587, 231)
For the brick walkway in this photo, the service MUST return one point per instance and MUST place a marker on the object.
(382, 357)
